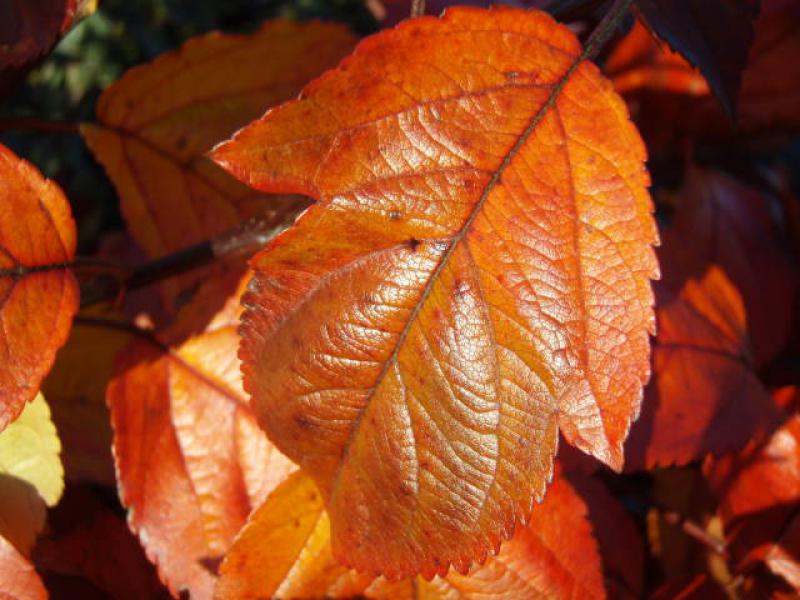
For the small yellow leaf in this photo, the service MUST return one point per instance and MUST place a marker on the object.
(31, 474)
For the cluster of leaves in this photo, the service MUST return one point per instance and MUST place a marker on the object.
(406, 333)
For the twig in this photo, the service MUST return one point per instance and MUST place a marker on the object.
(606, 28)
(118, 325)
(695, 531)
(417, 8)
(36, 124)
(249, 237)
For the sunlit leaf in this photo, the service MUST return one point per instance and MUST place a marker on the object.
(18, 579)
(155, 125)
(38, 294)
(475, 277)
(31, 474)
(191, 462)
(284, 552)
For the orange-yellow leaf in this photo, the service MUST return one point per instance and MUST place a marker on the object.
(284, 552)
(191, 461)
(705, 396)
(641, 61)
(38, 293)
(474, 278)
(156, 123)
(18, 579)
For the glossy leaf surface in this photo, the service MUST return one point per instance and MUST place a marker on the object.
(191, 461)
(38, 294)
(474, 278)
(284, 552)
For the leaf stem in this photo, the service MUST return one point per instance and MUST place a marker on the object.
(36, 124)
(606, 28)
(695, 531)
(417, 8)
(118, 325)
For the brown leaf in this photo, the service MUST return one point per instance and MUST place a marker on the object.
(461, 291)
(86, 539)
(157, 122)
(38, 294)
(29, 29)
(190, 461)
(76, 389)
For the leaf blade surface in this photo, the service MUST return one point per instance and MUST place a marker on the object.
(446, 305)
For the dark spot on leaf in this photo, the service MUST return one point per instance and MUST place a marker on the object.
(303, 421)
(414, 243)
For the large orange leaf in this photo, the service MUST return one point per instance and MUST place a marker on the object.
(156, 123)
(38, 293)
(191, 461)
(474, 278)
(18, 580)
(284, 552)
(705, 396)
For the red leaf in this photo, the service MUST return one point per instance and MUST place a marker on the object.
(426, 329)
(18, 579)
(705, 396)
(190, 460)
(733, 226)
(38, 294)
(759, 493)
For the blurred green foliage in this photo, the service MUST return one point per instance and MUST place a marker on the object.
(119, 35)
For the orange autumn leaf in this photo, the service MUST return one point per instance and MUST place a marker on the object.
(38, 293)
(474, 278)
(705, 397)
(18, 579)
(284, 552)
(155, 125)
(191, 461)
(641, 61)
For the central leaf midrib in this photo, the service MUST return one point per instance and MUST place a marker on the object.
(456, 239)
